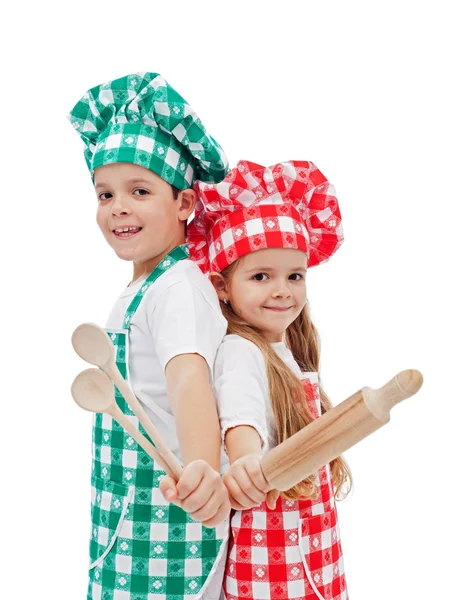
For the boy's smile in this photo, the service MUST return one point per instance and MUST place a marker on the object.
(139, 215)
(127, 231)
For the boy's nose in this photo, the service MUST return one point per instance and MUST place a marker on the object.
(119, 211)
(120, 206)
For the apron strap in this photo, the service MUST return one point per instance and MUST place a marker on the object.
(175, 255)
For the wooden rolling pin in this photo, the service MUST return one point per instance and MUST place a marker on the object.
(336, 431)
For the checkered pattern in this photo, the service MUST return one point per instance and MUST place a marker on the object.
(141, 119)
(141, 547)
(292, 551)
(288, 205)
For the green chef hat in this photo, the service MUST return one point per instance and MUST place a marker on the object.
(141, 119)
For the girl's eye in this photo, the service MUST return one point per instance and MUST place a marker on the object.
(258, 276)
(296, 276)
(144, 192)
(101, 196)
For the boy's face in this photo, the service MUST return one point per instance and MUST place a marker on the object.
(137, 212)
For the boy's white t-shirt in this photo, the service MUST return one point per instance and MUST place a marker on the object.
(241, 386)
(179, 314)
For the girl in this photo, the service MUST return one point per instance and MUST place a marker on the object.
(257, 232)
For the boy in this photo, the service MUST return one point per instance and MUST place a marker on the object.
(144, 147)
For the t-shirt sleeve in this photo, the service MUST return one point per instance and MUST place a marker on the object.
(241, 386)
(184, 322)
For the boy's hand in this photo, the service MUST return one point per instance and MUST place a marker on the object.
(200, 492)
(247, 485)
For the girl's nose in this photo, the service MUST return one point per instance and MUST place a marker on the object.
(282, 290)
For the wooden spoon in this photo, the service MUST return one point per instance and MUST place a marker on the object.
(94, 391)
(93, 345)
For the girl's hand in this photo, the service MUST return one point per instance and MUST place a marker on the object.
(200, 492)
(247, 485)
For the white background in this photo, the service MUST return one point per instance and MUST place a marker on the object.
(375, 94)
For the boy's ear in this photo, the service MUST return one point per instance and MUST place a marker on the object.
(219, 284)
(187, 199)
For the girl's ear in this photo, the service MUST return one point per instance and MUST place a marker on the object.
(220, 285)
(187, 199)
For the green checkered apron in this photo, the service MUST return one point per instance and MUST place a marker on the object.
(142, 547)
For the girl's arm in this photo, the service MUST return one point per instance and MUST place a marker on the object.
(241, 441)
(244, 479)
(241, 388)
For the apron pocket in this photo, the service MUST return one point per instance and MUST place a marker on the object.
(109, 503)
(320, 547)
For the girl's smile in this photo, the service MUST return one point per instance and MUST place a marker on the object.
(267, 289)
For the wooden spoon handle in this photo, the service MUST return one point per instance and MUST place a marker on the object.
(122, 420)
(163, 450)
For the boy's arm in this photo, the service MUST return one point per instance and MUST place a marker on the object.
(200, 490)
(194, 407)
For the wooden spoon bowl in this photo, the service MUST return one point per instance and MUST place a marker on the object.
(92, 344)
(94, 391)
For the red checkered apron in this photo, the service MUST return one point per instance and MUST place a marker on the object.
(292, 551)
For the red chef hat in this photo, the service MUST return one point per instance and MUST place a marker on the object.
(288, 205)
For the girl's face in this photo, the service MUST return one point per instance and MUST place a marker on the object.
(137, 212)
(268, 289)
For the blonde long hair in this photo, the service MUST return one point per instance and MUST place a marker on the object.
(287, 396)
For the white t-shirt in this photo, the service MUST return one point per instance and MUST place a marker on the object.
(179, 314)
(241, 386)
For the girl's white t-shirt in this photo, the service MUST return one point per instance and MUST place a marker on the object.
(241, 386)
(179, 314)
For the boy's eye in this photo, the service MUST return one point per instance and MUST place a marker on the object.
(296, 276)
(259, 276)
(144, 192)
(101, 196)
